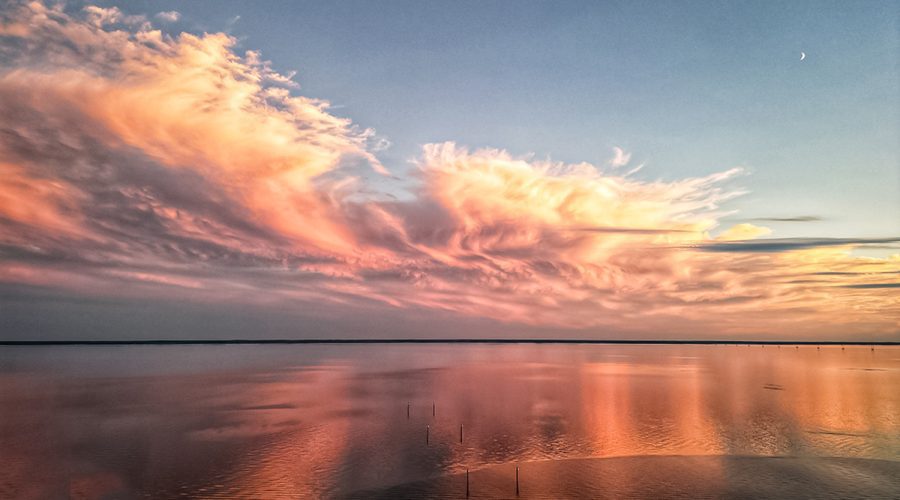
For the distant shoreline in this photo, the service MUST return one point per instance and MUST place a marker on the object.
(442, 341)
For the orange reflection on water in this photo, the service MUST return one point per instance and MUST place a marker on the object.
(332, 420)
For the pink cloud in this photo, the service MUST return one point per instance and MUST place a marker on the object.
(620, 157)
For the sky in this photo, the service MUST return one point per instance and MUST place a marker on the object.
(429, 169)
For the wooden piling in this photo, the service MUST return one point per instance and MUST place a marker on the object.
(407, 411)
(467, 482)
(432, 408)
(460, 432)
(427, 433)
(517, 480)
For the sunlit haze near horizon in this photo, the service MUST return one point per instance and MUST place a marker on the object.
(627, 170)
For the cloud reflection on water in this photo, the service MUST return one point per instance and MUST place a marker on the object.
(330, 420)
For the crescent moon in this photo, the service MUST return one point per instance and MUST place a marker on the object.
(802, 56)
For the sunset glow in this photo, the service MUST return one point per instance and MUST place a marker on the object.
(145, 165)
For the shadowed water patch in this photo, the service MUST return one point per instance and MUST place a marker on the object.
(654, 477)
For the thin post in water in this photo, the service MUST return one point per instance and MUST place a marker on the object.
(517, 480)
(432, 408)
(427, 433)
(467, 482)
(460, 432)
(407, 411)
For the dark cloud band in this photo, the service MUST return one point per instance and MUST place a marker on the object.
(774, 245)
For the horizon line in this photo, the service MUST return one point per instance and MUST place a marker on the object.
(443, 341)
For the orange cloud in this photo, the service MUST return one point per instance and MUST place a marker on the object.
(44, 204)
(191, 102)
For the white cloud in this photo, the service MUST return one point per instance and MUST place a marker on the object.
(169, 16)
(620, 157)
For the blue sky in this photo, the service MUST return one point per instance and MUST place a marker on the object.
(688, 88)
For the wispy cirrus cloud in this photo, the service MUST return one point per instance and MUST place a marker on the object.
(797, 218)
(141, 165)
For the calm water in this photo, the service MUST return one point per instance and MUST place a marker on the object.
(331, 421)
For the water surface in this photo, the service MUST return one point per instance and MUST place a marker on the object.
(331, 421)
